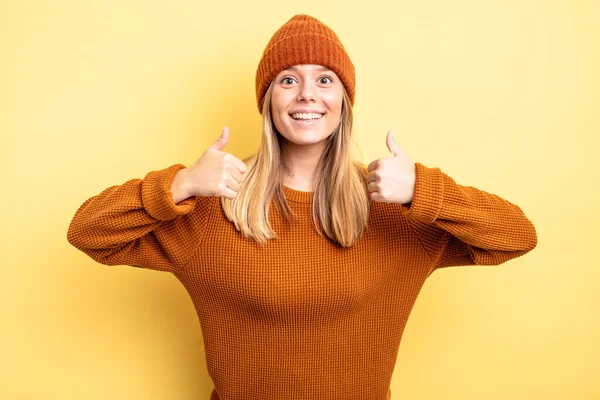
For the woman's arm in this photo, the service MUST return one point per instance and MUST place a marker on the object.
(462, 225)
(138, 223)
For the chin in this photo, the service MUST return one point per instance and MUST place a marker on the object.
(305, 137)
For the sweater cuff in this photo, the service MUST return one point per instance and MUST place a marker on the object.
(157, 198)
(429, 192)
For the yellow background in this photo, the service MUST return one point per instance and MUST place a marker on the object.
(501, 95)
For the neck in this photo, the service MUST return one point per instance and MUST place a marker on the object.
(300, 164)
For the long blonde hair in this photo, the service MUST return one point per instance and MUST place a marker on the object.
(340, 201)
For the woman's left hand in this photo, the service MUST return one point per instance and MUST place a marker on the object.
(392, 179)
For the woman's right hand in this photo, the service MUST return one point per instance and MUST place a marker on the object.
(215, 173)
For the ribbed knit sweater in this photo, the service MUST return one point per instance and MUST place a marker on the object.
(300, 317)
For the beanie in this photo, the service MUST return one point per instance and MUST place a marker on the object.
(303, 40)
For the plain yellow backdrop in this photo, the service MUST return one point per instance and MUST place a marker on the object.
(501, 95)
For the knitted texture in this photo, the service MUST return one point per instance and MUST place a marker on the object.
(300, 317)
(303, 40)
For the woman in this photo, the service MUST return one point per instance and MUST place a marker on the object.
(303, 265)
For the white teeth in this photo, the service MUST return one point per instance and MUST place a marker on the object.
(306, 115)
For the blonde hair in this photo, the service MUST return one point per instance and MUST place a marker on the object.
(340, 201)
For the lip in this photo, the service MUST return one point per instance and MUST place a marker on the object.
(305, 111)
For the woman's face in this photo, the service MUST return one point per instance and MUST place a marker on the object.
(306, 104)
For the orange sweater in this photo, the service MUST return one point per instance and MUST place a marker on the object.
(301, 318)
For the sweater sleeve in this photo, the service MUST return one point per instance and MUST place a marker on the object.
(139, 224)
(462, 225)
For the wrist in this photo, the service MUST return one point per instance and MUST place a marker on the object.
(179, 187)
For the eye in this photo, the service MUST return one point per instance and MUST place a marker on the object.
(287, 80)
(325, 77)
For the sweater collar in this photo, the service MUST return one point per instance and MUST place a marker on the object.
(297, 195)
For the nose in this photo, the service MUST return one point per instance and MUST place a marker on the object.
(306, 91)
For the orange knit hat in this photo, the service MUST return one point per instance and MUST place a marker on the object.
(303, 40)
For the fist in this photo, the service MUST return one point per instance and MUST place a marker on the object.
(392, 179)
(216, 173)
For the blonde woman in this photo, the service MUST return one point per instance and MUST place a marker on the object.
(302, 263)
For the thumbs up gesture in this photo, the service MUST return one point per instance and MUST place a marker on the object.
(216, 173)
(392, 179)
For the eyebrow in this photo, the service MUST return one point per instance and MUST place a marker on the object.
(296, 69)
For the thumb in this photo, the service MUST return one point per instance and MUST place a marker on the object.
(221, 142)
(392, 145)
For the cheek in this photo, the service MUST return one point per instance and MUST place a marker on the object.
(275, 103)
(277, 122)
(277, 117)
(279, 107)
(276, 106)
(334, 102)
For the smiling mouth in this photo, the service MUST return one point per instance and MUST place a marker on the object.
(306, 117)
